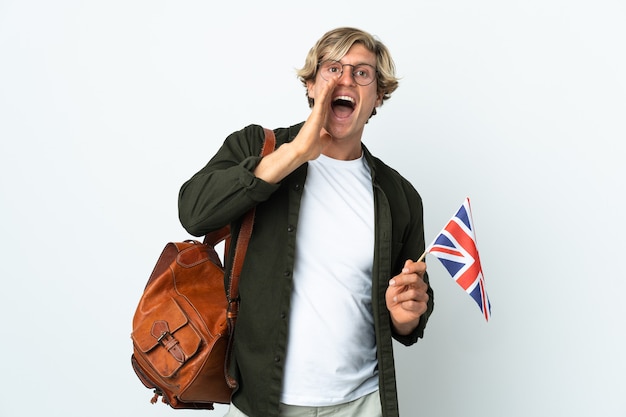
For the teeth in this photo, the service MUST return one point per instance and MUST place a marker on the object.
(345, 98)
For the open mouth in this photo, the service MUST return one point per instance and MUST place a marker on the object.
(343, 106)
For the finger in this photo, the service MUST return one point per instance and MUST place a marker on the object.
(407, 279)
(412, 305)
(321, 106)
(326, 93)
(418, 308)
(403, 279)
(417, 295)
(414, 267)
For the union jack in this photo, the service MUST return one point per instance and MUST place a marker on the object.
(456, 248)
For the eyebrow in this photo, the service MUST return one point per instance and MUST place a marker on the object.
(354, 65)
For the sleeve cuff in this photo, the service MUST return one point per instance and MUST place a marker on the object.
(257, 189)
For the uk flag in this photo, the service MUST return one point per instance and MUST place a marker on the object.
(456, 248)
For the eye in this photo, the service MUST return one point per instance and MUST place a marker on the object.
(363, 72)
(334, 68)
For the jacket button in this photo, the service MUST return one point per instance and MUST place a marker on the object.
(297, 187)
(276, 358)
(290, 228)
(287, 273)
(283, 315)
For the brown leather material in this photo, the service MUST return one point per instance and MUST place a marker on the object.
(161, 332)
(246, 230)
(184, 322)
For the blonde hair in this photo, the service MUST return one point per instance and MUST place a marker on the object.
(336, 43)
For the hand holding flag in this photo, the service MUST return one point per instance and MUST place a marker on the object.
(455, 247)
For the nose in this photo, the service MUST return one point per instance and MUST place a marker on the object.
(346, 76)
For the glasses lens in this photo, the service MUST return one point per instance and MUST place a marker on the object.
(330, 70)
(363, 74)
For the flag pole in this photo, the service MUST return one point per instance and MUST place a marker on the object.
(421, 258)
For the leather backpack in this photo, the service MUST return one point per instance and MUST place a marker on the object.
(183, 325)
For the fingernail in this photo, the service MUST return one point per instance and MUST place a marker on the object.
(392, 282)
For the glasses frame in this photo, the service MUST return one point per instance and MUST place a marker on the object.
(320, 63)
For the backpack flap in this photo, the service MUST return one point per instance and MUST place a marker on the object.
(166, 338)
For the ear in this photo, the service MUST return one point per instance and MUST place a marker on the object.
(379, 100)
(310, 84)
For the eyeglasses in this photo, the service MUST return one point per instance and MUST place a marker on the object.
(363, 74)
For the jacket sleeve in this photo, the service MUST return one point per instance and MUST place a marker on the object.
(413, 247)
(226, 187)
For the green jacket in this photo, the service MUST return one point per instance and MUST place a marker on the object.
(224, 190)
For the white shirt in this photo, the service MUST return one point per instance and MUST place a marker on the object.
(331, 353)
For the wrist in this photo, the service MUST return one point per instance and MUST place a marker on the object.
(404, 329)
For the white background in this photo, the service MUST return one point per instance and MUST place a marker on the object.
(106, 108)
